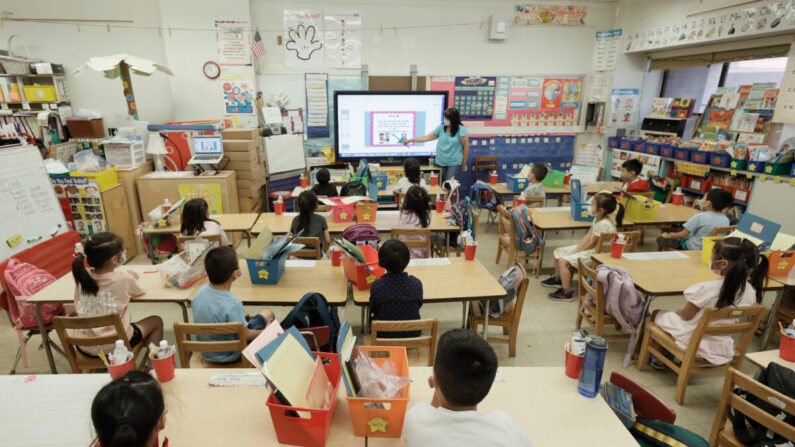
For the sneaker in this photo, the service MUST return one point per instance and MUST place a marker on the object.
(656, 363)
(561, 295)
(551, 282)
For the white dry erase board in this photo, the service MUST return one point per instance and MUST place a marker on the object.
(28, 206)
(284, 153)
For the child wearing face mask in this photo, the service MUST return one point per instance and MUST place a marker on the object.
(100, 289)
(630, 172)
(741, 273)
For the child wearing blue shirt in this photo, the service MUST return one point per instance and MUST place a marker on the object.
(214, 303)
(702, 224)
(396, 295)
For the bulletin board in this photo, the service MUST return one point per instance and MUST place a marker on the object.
(514, 104)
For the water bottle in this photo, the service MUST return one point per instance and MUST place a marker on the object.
(120, 353)
(592, 365)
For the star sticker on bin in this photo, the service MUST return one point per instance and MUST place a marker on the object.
(366, 216)
(263, 274)
(769, 169)
(584, 213)
(377, 424)
(782, 265)
(343, 215)
(380, 184)
(370, 279)
(752, 167)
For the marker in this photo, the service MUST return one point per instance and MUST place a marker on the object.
(34, 239)
(55, 230)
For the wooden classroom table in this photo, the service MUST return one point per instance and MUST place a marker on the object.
(63, 291)
(459, 281)
(239, 222)
(763, 358)
(200, 414)
(772, 327)
(501, 189)
(432, 193)
(668, 214)
(385, 220)
(554, 219)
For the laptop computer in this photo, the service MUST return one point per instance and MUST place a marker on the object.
(207, 150)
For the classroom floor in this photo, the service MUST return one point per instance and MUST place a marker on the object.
(545, 327)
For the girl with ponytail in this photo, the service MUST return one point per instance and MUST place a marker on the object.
(742, 274)
(129, 412)
(100, 289)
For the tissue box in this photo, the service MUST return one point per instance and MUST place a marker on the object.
(517, 183)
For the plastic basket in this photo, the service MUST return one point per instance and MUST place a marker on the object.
(625, 144)
(554, 179)
(652, 148)
(579, 211)
(667, 150)
(614, 142)
(312, 431)
(721, 159)
(682, 153)
(777, 168)
(640, 211)
(756, 166)
(700, 157)
(107, 178)
(738, 164)
(266, 271)
(40, 93)
(341, 212)
(380, 179)
(366, 211)
(386, 422)
(517, 183)
(707, 244)
(741, 195)
(363, 275)
(636, 145)
(698, 184)
(781, 262)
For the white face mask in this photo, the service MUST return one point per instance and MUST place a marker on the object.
(592, 211)
(446, 122)
(718, 271)
(123, 258)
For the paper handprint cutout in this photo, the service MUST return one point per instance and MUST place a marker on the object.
(302, 40)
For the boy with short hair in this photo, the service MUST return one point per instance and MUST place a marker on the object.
(214, 303)
(323, 187)
(630, 172)
(463, 373)
(537, 173)
(396, 295)
(702, 224)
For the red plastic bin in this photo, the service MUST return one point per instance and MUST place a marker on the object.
(341, 212)
(311, 432)
(699, 184)
(741, 195)
(363, 275)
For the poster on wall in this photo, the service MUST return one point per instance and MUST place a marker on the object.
(785, 104)
(606, 50)
(624, 107)
(87, 214)
(234, 42)
(601, 83)
(303, 38)
(528, 14)
(211, 192)
(343, 39)
(513, 103)
(590, 154)
(317, 105)
(238, 93)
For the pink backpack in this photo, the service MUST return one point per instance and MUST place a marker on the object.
(23, 280)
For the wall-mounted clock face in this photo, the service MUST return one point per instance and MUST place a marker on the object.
(211, 70)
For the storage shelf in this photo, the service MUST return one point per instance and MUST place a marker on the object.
(739, 172)
(694, 192)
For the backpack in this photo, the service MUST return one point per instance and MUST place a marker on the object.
(313, 310)
(23, 280)
(510, 280)
(483, 196)
(362, 234)
(354, 188)
(779, 378)
(528, 238)
(451, 186)
(462, 213)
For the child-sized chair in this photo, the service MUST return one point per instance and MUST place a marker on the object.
(316, 336)
(210, 238)
(186, 346)
(606, 239)
(422, 341)
(307, 252)
(81, 362)
(530, 201)
(647, 404)
(593, 312)
(487, 163)
(655, 340)
(509, 320)
(723, 231)
(424, 241)
(439, 244)
(506, 240)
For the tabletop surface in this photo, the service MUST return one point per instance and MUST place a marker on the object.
(556, 219)
(199, 414)
(784, 279)
(669, 214)
(229, 222)
(461, 280)
(432, 192)
(593, 188)
(385, 220)
(763, 358)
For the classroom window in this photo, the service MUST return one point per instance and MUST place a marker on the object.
(755, 70)
(692, 82)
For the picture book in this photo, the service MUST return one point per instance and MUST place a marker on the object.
(769, 98)
(288, 364)
(754, 99)
(345, 344)
(729, 100)
(719, 118)
(743, 121)
(273, 330)
(682, 107)
(660, 107)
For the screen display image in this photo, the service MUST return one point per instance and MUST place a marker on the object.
(207, 145)
(374, 124)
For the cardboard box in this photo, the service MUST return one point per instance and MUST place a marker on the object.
(250, 183)
(250, 157)
(242, 145)
(152, 189)
(240, 133)
(249, 204)
(251, 193)
(245, 165)
(257, 173)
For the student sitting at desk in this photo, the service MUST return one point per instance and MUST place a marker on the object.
(214, 303)
(630, 172)
(396, 295)
(196, 221)
(323, 187)
(130, 411)
(463, 373)
(411, 177)
(537, 174)
(100, 289)
(314, 225)
(742, 271)
(702, 224)
(415, 215)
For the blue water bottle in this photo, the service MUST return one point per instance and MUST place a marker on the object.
(592, 365)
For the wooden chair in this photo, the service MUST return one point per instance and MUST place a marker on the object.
(655, 340)
(79, 361)
(603, 244)
(487, 164)
(210, 238)
(439, 245)
(723, 231)
(186, 346)
(647, 404)
(316, 336)
(593, 312)
(412, 342)
(531, 201)
(307, 252)
(412, 242)
(506, 236)
(722, 430)
(509, 320)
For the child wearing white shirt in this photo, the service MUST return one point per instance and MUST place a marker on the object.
(411, 177)
(463, 373)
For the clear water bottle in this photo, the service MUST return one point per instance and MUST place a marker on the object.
(120, 353)
(592, 365)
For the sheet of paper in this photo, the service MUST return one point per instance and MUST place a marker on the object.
(741, 235)
(270, 333)
(552, 208)
(424, 262)
(782, 242)
(320, 388)
(170, 174)
(247, 379)
(354, 199)
(655, 255)
(290, 369)
(389, 212)
(499, 377)
(300, 263)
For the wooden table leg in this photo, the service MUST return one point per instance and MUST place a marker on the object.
(45, 339)
(771, 319)
(540, 262)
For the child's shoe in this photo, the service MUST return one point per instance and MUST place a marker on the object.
(561, 295)
(551, 282)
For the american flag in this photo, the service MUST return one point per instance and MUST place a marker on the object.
(256, 46)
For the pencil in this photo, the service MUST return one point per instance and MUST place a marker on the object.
(781, 328)
(104, 357)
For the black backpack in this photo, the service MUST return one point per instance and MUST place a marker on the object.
(354, 188)
(779, 378)
(311, 311)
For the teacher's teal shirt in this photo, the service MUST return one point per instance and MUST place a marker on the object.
(449, 150)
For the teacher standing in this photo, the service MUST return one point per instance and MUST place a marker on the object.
(452, 149)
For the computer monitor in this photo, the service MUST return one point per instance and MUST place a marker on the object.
(207, 145)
